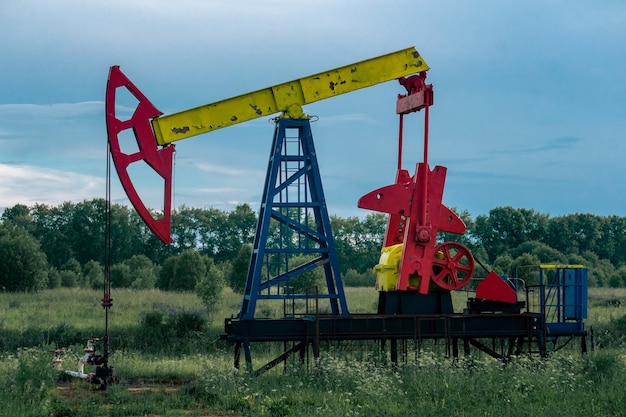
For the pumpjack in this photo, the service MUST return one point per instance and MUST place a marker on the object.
(415, 273)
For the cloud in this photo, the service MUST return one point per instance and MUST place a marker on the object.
(554, 144)
(348, 118)
(50, 123)
(51, 111)
(27, 184)
(511, 104)
(219, 190)
(220, 169)
(71, 135)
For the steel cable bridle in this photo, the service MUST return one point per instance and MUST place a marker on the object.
(107, 301)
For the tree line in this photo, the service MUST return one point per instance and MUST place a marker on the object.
(44, 246)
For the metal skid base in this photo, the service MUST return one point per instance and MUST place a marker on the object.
(522, 332)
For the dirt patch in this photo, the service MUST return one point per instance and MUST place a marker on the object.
(72, 388)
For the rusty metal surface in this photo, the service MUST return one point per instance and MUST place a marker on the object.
(288, 97)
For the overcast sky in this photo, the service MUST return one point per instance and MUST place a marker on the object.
(530, 96)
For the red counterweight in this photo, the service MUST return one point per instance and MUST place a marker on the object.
(417, 213)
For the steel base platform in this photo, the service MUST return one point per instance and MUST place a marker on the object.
(471, 329)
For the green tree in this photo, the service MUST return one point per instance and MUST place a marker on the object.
(23, 265)
(182, 272)
(210, 286)
(577, 233)
(166, 274)
(241, 228)
(527, 268)
(600, 270)
(314, 277)
(621, 272)
(130, 236)
(359, 242)
(586, 231)
(20, 216)
(353, 278)
(93, 275)
(559, 236)
(499, 231)
(615, 281)
(239, 270)
(535, 224)
(69, 279)
(49, 223)
(186, 226)
(467, 238)
(71, 274)
(213, 229)
(226, 267)
(85, 229)
(146, 242)
(72, 265)
(213, 232)
(543, 252)
(503, 264)
(143, 279)
(507, 228)
(143, 271)
(54, 278)
(121, 276)
(77, 231)
(190, 268)
(612, 241)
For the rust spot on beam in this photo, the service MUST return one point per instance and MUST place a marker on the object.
(184, 129)
(256, 109)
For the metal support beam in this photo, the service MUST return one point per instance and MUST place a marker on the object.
(293, 220)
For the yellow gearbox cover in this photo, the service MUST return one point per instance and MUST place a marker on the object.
(387, 268)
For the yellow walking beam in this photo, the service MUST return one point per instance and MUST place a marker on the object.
(288, 97)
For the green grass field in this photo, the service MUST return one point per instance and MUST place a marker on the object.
(193, 375)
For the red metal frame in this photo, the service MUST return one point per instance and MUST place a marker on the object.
(159, 159)
(416, 210)
(494, 288)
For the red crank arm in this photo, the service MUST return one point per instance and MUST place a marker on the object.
(160, 160)
(416, 210)
(406, 206)
(419, 249)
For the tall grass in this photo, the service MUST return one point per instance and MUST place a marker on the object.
(571, 385)
(432, 386)
(82, 307)
(191, 373)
